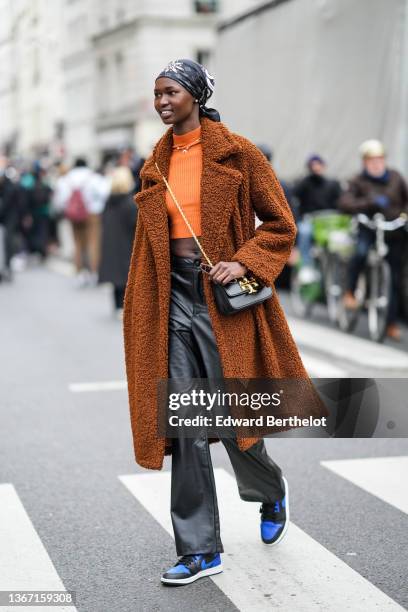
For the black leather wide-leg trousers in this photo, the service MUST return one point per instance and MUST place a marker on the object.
(193, 353)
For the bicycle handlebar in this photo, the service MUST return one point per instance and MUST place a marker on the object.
(315, 214)
(378, 222)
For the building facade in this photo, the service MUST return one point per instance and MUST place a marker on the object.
(76, 76)
(31, 98)
(319, 76)
(78, 70)
(132, 42)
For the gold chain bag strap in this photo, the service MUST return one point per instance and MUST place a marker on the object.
(237, 295)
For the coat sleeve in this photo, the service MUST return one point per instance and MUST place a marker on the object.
(266, 253)
(404, 194)
(354, 201)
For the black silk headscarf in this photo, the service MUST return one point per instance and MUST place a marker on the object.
(197, 80)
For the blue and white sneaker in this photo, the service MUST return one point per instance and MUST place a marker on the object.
(275, 518)
(192, 567)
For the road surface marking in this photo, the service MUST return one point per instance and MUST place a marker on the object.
(384, 477)
(321, 368)
(108, 385)
(299, 574)
(347, 347)
(60, 266)
(24, 562)
(318, 368)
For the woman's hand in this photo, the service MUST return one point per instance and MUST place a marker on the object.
(225, 271)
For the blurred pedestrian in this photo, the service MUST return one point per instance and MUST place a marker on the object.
(59, 170)
(377, 188)
(283, 280)
(82, 194)
(128, 157)
(10, 211)
(314, 192)
(37, 193)
(287, 190)
(118, 230)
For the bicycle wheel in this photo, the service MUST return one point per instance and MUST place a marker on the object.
(347, 318)
(334, 283)
(379, 300)
(302, 296)
(404, 283)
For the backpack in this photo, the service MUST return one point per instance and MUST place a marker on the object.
(76, 210)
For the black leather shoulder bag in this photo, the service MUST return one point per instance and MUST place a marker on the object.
(236, 295)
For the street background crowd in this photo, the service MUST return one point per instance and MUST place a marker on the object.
(82, 107)
(97, 205)
(39, 196)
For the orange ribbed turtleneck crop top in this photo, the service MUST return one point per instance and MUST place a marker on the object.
(185, 181)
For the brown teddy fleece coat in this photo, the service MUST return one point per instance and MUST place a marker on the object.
(236, 182)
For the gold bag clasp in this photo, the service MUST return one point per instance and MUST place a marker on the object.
(249, 285)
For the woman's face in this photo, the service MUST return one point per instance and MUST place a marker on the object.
(173, 103)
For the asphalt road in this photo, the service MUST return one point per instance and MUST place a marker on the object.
(63, 454)
(319, 316)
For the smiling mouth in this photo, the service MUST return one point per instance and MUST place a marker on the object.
(165, 113)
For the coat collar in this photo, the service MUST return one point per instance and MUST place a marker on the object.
(217, 142)
(219, 190)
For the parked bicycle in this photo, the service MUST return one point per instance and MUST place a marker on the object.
(374, 283)
(331, 249)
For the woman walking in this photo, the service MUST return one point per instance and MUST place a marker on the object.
(173, 327)
(118, 229)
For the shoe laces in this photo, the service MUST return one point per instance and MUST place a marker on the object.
(270, 512)
(188, 560)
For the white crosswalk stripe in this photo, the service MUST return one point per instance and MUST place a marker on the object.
(338, 345)
(106, 385)
(299, 574)
(318, 368)
(321, 368)
(61, 266)
(24, 562)
(384, 477)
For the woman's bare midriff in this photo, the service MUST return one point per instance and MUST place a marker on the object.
(184, 247)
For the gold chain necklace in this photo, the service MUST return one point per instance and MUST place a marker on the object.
(185, 148)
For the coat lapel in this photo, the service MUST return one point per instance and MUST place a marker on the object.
(219, 186)
(219, 191)
(152, 204)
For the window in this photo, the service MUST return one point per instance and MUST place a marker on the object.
(105, 13)
(206, 6)
(120, 13)
(203, 57)
(118, 83)
(36, 74)
(59, 130)
(103, 86)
